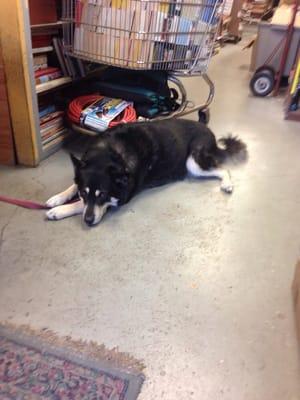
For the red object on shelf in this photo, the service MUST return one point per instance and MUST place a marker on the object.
(42, 11)
(41, 41)
(45, 71)
(77, 105)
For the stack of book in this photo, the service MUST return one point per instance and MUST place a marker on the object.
(47, 74)
(39, 62)
(52, 126)
(136, 34)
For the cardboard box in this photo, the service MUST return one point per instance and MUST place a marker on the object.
(283, 16)
(296, 296)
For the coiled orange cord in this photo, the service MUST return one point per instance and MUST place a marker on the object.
(79, 103)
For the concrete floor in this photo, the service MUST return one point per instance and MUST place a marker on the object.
(194, 282)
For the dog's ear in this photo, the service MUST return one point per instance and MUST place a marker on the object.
(77, 163)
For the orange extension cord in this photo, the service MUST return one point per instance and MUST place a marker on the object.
(77, 105)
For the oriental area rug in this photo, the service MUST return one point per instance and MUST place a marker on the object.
(42, 365)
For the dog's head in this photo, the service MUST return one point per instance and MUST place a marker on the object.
(96, 180)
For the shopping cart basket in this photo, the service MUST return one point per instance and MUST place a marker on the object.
(174, 36)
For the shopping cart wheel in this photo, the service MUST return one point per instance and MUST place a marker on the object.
(204, 116)
(262, 82)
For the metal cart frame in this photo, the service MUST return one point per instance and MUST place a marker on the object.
(174, 36)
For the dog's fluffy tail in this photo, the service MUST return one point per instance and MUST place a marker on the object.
(233, 149)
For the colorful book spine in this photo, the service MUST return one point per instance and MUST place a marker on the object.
(50, 116)
(45, 71)
(46, 110)
(55, 140)
(54, 135)
(47, 78)
(52, 128)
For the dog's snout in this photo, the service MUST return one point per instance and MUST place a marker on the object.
(89, 216)
(89, 219)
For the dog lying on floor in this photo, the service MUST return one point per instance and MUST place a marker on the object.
(131, 157)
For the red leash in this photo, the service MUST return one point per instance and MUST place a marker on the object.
(32, 205)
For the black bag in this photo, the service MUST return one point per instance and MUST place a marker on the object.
(148, 90)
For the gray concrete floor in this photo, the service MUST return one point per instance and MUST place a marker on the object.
(193, 282)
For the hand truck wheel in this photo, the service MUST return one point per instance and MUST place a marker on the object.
(263, 82)
(204, 116)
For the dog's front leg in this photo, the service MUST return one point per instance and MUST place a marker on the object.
(66, 210)
(63, 197)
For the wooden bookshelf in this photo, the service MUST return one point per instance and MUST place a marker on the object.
(40, 50)
(54, 84)
(16, 48)
(23, 94)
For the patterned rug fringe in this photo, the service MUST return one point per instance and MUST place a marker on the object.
(81, 348)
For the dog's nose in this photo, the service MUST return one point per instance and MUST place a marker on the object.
(89, 219)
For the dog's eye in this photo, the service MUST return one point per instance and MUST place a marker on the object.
(101, 195)
(83, 194)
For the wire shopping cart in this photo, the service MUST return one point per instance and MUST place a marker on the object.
(169, 35)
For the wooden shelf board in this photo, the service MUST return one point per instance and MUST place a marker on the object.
(55, 83)
(45, 49)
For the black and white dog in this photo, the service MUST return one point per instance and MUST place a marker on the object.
(131, 157)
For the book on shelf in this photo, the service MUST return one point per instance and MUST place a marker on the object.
(57, 44)
(40, 62)
(50, 116)
(47, 74)
(52, 128)
(55, 135)
(116, 33)
(46, 110)
(69, 65)
(48, 77)
(63, 134)
(45, 71)
(40, 41)
(51, 122)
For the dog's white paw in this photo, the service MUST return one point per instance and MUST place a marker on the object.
(55, 201)
(227, 187)
(55, 214)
